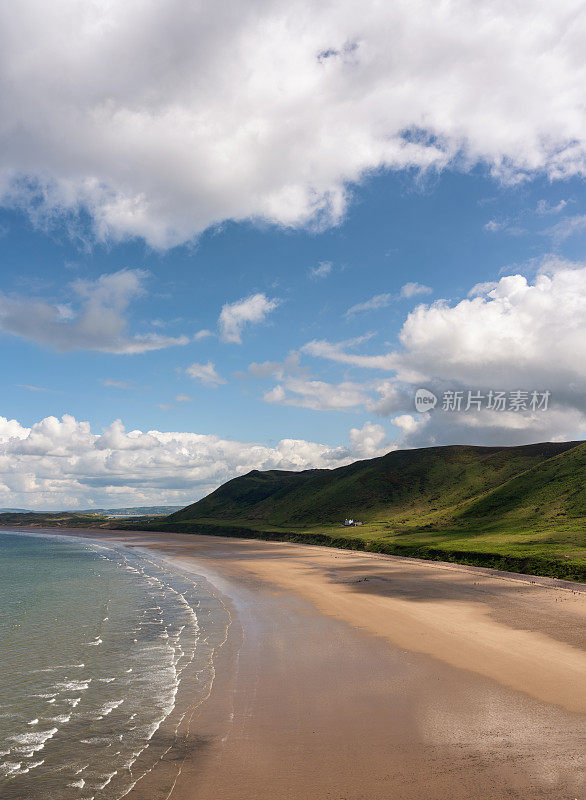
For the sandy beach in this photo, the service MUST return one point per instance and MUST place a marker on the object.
(353, 676)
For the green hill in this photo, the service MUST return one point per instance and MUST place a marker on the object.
(409, 488)
(514, 508)
(551, 493)
(520, 508)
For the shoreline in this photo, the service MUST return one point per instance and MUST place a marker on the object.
(556, 566)
(403, 678)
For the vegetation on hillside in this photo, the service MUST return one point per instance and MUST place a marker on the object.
(515, 508)
(407, 489)
(520, 508)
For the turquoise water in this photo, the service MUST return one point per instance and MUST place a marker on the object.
(94, 642)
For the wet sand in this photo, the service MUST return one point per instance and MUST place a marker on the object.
(350, 676)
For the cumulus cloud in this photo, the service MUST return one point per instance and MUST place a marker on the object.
(61, 463)
(388, 397)
(511, 331)
(408, 424)
(273, 109)
(318, 395)
(382, 397)
(514, 334)
(517, 333)
(369, 441)
(206, 374)
(482, 288)
(559, 423)
(95, 318)
(234, 317)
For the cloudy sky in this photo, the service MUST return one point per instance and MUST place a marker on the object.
(242, 236)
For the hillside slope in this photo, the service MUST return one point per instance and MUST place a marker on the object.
(436, 486)
(514, 508)
(552, 493)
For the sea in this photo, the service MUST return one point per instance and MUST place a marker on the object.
(95, 642)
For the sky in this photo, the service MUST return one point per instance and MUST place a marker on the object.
(244, 238)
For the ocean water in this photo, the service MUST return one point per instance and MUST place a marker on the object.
(95, 642)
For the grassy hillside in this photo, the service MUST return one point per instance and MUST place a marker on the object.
(520, 508)
(406, 487)
(551, 493)
(514, 508)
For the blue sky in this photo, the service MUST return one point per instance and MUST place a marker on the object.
(133, 246)
(397, 231)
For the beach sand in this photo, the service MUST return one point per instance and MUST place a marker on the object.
(353, 676)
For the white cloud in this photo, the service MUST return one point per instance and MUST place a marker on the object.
(290, 366)
(96, 320)
(235, 316)
(388, 397)
(408, 424)
(322, 270)
(203, 334)
(184, 398)
(507, 226)
(338, 351)
(295, 388)
(543, 207)
(567, 228)
(318, 395)
(369, 441)
(57, 464)
(272, 109)
(483, 288)
(378, 301)
(559, 423)
(511, 331)
(116, 384)
(32, 388)
(206, 373)
(511, 335)
(517, 333)
(408, 291)
(411, 289)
